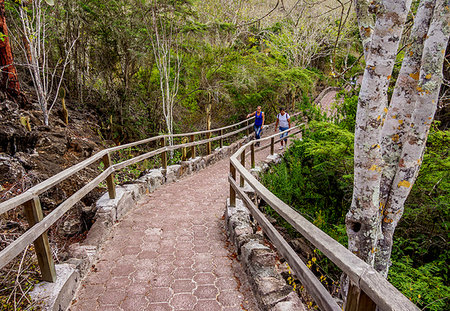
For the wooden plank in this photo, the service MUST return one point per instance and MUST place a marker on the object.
(291, 135)
(313, 286)
(110, 179)
(252, 155)
(221, 139)
(232, 191)
(16, 247)
(241, 179)
(33, 213)
(163, 154)
(348, 262)
(272, 145)
(357, 300)
(47, 184)
(139, 158)
(192, 147)
(208, 127)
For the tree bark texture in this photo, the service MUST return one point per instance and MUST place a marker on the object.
(390, 140)
(10, 81)
(363, 219)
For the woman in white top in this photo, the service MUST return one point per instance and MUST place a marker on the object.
(284, 120)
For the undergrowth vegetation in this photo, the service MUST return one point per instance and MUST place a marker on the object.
(316, 178)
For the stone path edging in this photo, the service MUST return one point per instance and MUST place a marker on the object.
(260, 262)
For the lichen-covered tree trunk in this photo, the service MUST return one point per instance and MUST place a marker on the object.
(413, 143)
(390, 139)
(9, 80)
(363, 219)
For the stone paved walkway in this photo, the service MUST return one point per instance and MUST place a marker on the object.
(171, 253)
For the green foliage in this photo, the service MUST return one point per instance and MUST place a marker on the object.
(316, 175)
(346, 110)
(316, 179)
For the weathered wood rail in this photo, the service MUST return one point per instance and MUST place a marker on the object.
(367, 289)
(39, 225)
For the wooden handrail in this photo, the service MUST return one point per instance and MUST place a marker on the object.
(371, 283)
(40, 227)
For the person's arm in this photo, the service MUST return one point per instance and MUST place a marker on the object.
(276, 123)
(289, 121)
(262, 119)
(251, 114)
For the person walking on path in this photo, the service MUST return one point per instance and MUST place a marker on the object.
(259, 122)
(284, 120)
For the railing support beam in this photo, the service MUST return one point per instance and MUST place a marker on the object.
(33, 213)
(232, 191)
(252, 155)
(357, 300)
(193, 147)
(272, 145)
(164, 154)
(110, 179)
(221, 139)
(242, 180)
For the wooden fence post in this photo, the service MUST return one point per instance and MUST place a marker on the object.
(208, 127)
(110, 178)
(33, 213)
(252, 154)
(164, 154)
(232, 191)
(221, 139)
(243, 164)
(357, 300)
(192, 147)
(247, 131)
(272, 145)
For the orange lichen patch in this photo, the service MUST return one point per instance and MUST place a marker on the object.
(387, 220)
(419, 89)
(429, 118)
(419, 161)
(400, 121)
(404, 183)
(368, 31)
(415, 75)
(394, 116)
(378, 118)
(411, 53)
(395, 137)
(375, 146)
(385, 110)
(389, 77)
(428, 76)
(373, 168)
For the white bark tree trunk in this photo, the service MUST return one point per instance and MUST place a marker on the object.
(165, 44)
(389, 143)
(363, 219)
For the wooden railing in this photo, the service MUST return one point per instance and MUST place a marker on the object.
(37, 233)
(367, 289)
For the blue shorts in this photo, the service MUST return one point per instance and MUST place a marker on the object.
(284, 134)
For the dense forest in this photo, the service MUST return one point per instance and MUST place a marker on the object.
(135, 68)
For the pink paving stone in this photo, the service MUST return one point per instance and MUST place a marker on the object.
(209, 305)
(159, 294)
(138, 289)
(83, 304)
(229, 298)
(143, 275)
(123, 270)
(112, 297)
(162, 280)
(183, 273)
(225, 283)
(183, 286)
(206, 292)
(92, 292)
(118, 283)
(183, 262)
(134, 303)
(183, 301)
(159, 307)
(204, 278)
(203, 266)
(148, 254)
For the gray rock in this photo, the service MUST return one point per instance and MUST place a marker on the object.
(58, 295)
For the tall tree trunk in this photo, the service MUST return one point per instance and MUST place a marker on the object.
(363, 219)
(426, 97)
(10, 81)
